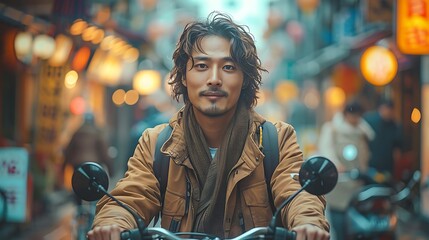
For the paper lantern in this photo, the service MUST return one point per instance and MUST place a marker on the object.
(81, 58)
(23, 44)
(147, 82)
(378, 65)
(44, 46)
(61, 54)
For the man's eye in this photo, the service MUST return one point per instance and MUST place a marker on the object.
(200, 66)
(229, 67)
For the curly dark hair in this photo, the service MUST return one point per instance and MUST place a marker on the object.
(243, 53)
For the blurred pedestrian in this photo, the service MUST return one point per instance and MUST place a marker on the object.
(386, 147)
(88, 145)
(344, 140)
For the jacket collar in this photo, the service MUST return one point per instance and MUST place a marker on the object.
(175, 146)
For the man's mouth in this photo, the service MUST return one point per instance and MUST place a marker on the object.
(213, 94)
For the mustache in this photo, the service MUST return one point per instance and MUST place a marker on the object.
(213, 92)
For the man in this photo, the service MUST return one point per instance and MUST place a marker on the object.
(213, 149)
(386, 147)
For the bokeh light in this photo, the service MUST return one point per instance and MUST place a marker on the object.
(416, 115)
(118, 97)
(78, 27)
(286, 91)
(147, 81)
(43, 46)
(23, 43)
(335, 97)
(131, 97)
(70, 79)
(81, 59)
(77, 106)
(378, 65)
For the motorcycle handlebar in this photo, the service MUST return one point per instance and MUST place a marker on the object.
(161, 233)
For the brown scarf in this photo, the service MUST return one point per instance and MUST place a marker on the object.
(213, 175)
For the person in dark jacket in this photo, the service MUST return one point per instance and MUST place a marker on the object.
(88, 144)
(213, 149)
(386, 147)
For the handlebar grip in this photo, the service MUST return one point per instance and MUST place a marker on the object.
(132, 234)
(282, 233)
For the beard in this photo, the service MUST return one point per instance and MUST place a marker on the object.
(212, 111)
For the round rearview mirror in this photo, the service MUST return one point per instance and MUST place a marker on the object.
(321, 173)
(84, 177)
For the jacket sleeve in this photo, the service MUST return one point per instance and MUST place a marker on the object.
(304, 208)
(139, 189)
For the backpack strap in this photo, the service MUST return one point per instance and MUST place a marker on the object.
(270, 148)
(161, 164)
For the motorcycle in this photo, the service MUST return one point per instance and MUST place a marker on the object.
(371, 212)
(317, 175)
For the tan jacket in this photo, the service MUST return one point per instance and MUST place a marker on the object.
(139, 189)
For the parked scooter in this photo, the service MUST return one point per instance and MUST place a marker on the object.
(371, 213)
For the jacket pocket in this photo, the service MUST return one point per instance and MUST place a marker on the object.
(257, 202)
(173, 211)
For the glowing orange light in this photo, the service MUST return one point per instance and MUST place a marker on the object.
(416, 115)
(335, 97)
(286, 91)
(81, 58)
(131, 97)
(118, 97)
(378, 65)
(78, 26)
(147, 82)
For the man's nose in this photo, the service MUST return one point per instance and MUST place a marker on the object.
(214, 78)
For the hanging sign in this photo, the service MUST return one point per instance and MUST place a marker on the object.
(13, 183)
(413, 26)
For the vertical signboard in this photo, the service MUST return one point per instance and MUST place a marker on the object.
(49, 114)
(412, 26)
(13, 183)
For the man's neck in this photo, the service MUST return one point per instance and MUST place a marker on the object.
(214, 128)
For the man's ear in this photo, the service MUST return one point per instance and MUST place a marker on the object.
(184, 82)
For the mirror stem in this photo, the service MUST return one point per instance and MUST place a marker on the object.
(288, 200)
(137, 218)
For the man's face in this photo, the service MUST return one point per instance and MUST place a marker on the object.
(214, 81)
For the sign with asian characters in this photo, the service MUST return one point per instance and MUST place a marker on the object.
(412, 34)
(13, 182)
(49, 115)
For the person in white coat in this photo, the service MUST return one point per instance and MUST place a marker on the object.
(344, 140)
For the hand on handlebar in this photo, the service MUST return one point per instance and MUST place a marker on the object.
(110, 232)
(309, 231)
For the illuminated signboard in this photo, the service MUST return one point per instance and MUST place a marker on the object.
(412, 33)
